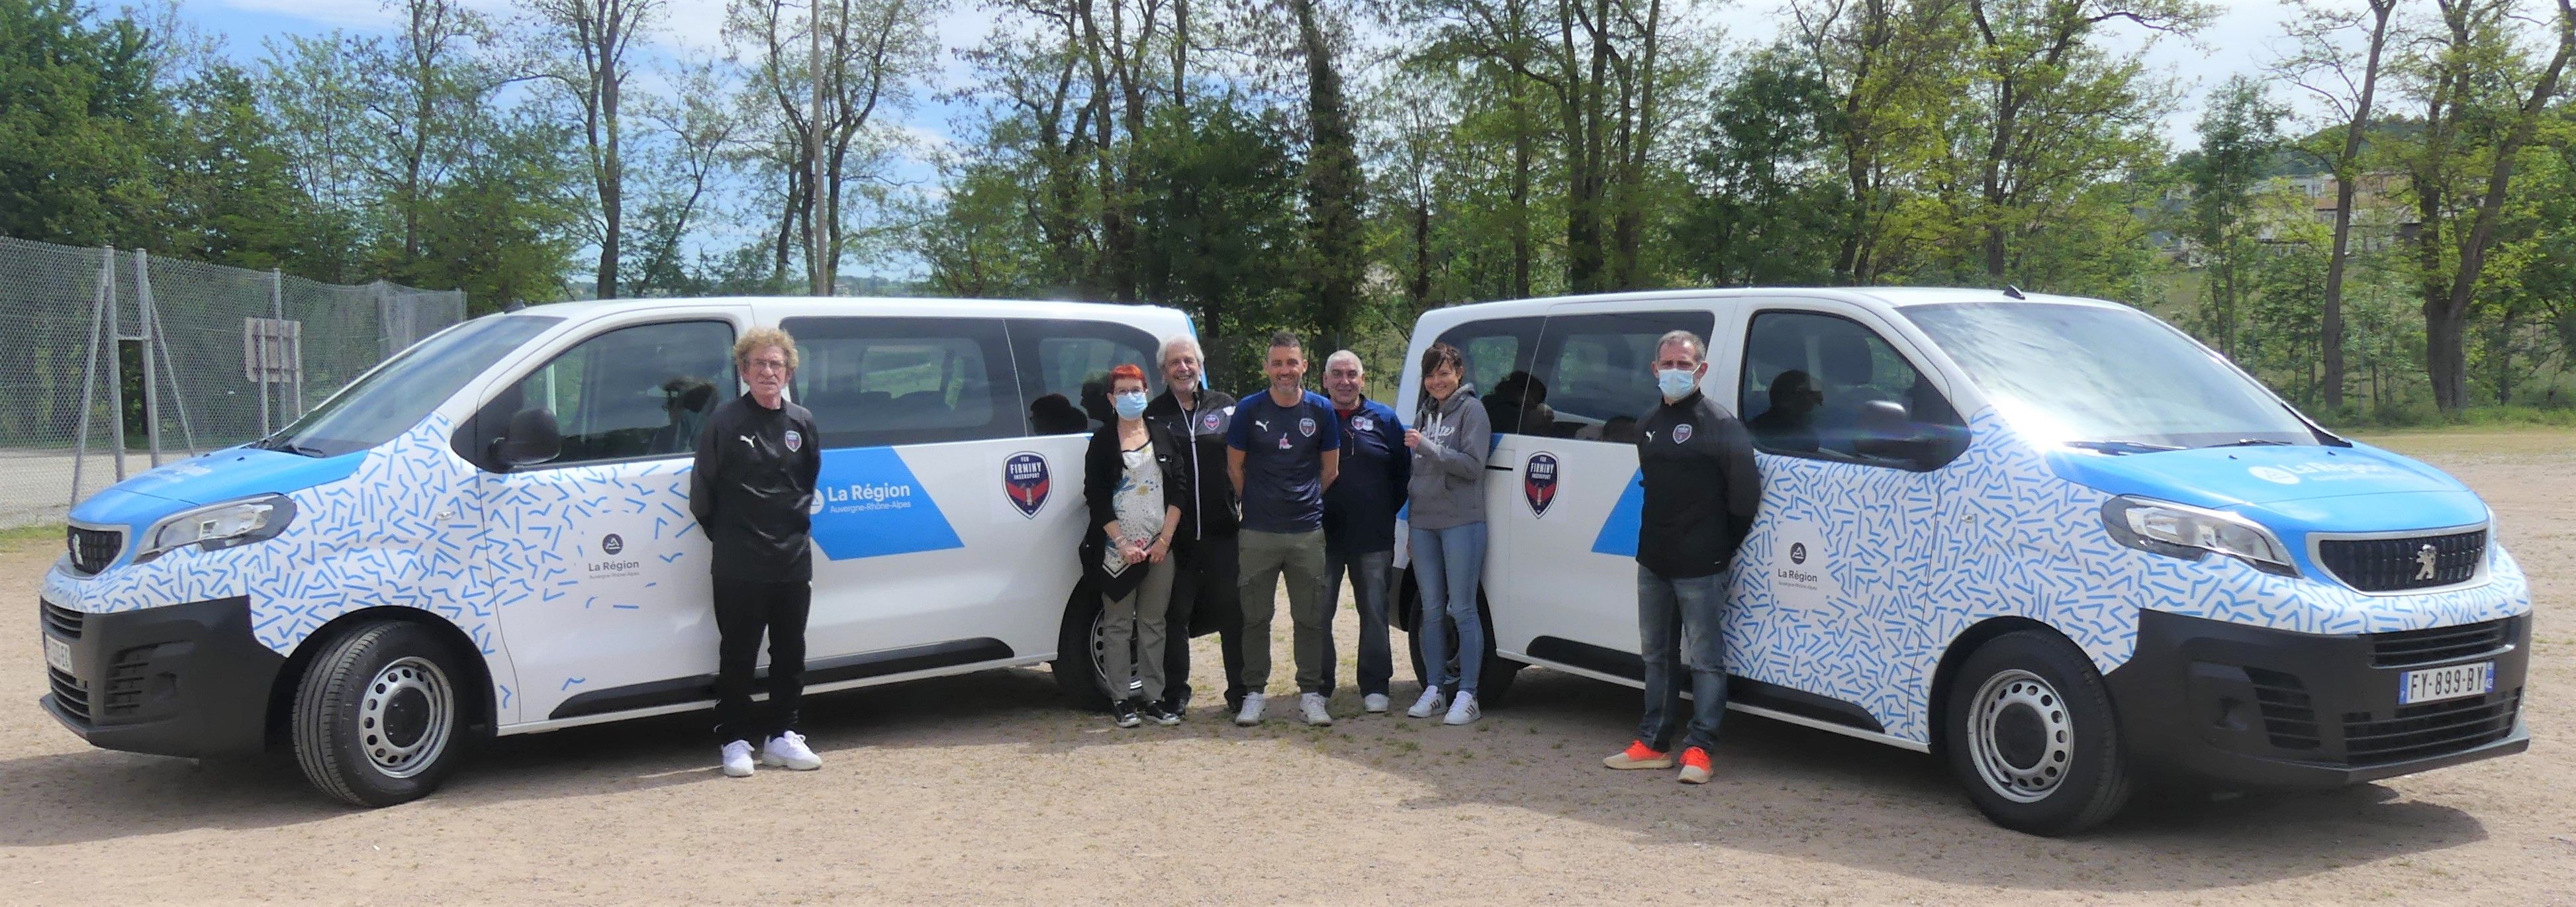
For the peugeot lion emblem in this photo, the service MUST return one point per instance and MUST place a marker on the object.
(2424, 557)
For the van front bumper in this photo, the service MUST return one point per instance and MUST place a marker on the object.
(182, 680)
(2250, 707)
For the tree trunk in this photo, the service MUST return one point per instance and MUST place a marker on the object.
(2445, 317)
(2330, 324)
(1332, 184)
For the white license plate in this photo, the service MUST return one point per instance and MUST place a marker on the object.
(2437, 684)
(58, 655)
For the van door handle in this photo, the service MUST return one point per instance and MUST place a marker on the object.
(1501, 468)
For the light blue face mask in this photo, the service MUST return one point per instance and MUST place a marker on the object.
(1130, 404)
(1675, 383)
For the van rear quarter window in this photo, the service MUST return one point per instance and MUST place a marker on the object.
(877, 381)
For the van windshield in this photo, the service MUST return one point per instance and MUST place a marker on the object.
(2105, 378)
(395, 396)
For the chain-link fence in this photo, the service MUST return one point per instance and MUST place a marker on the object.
(102, 349)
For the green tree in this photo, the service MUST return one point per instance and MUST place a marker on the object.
(1765, 207)
(80, 112)
(2240, 140)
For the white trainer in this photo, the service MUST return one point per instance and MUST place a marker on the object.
(1463, 710)
(1430, 704)
(737, 759)
(1251, 713)
(1313, 705)
(1374, 703)
(788, 751)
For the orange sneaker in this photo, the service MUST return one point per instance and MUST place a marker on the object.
(1694, 766)
(1639, 755)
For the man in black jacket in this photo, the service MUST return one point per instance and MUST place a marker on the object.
(751, 489)
(1204, 561)
(1701, 490)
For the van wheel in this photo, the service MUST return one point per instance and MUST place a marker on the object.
(2032, 736)
(377, 718)
(1078, 663)
(1495, 682)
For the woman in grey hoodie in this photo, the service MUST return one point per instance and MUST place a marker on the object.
(1449, 439)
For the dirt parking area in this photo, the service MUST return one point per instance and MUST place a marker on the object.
(984, 788)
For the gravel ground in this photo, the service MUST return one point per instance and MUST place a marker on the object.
(983, 787)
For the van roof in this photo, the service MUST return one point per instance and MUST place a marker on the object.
(1026, 308)
(1894, 297)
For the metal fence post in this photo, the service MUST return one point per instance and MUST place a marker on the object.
(89, 367)
(115, 367)
(151, 388)
(277, 311)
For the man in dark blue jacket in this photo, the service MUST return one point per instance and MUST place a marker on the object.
(1359, 519)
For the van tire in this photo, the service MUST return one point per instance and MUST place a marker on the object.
(1077, 654)
(363, 696)
(2023, 705)
(1494, 683)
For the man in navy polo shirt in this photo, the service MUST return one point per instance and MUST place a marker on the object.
(1283, 448)
(1359, 520)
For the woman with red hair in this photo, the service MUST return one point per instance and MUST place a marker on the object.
(1135, 479)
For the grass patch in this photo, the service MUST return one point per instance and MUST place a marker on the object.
(23, 538)
(2425, 417)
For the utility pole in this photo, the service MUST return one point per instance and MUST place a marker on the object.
(814, 146)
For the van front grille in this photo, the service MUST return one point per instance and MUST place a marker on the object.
(2424, 647)
(92, 549)
(2405, 563)
(68, 694)
(65, 622)
(2433, 729)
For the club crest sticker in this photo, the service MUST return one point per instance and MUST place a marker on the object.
(1538, 482)
(1682, 433)
(1211, 423)
(1306, 427)
(1025, 480)
(794, 440)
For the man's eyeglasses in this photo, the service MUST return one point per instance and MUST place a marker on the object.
(768, 365)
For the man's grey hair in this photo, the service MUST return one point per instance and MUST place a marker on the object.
(1698, 348)
(1163, 354)
(1339, 355)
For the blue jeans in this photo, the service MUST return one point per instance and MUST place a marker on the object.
(1680, 625)
(1368, 593)
(1446, 564)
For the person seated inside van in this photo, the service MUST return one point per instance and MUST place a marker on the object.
(1519, 406)
(1789, 424)
(1054, 415)
(685, 401)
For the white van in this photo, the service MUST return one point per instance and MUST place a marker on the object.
(2053, 539)
(490, 533)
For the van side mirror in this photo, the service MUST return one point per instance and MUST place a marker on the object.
(1886, 431)
(533, 437)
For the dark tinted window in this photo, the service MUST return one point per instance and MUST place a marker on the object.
(1495, 351)
(879, 381)
(639, 391)
(1069, 360)
(1825, 386)
(1592, 369)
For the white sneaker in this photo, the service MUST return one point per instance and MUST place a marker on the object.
(1251, 713)
(1463, 710)
(1313, 705)
(788, 750)
(737, 759)
(1430, 704)
(1374, 703)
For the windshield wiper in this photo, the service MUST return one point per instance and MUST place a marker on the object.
(2121, 447)
(279, 442)
(2254, 442)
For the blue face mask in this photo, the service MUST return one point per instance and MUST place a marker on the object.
(1130, 404)
(1675, 383)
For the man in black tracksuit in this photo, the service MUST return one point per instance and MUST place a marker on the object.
(1701, 491)
(751, 489)
(1204, 558)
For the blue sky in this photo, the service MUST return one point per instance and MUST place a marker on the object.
(2243, 39)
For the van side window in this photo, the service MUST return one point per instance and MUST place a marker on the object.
(1595, 373)
(1496, 351)
(878, 381)
(1064, 369)
(639, 391)
(1827, 387)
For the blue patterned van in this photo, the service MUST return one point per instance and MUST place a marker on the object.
(490, 533)
(2054, 540)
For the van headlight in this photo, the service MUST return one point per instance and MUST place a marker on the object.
(219, 526)
(2176, 530)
